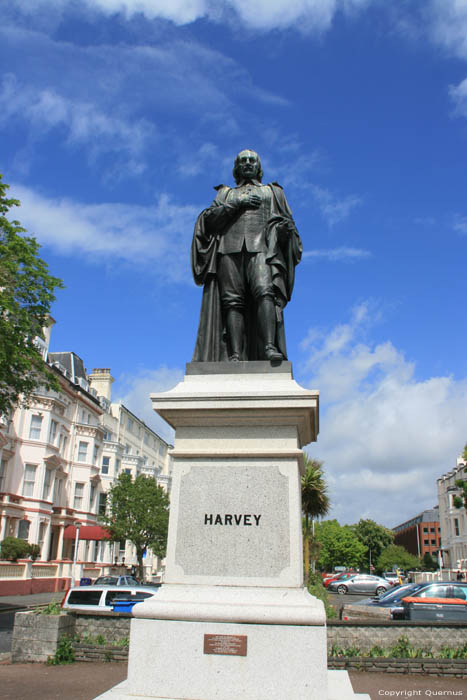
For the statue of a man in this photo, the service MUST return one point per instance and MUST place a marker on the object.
(245, 248)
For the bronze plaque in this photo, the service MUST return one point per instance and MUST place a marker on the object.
(231, 644)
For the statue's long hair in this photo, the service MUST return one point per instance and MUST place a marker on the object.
(260, 173)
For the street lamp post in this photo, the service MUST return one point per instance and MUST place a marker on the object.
(75, 556)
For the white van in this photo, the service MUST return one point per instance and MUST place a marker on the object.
(101, 597)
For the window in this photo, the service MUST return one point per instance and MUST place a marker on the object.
(117, 465)
(433, 542)
(23, 529)
(3, 474)
(127, 471)
(456, 527)
(96, 450)
(78, 498)
(127, 449)
(53, 431)
(42, 531)
(82, 451)
(57, 497)
(62, 444)
(29, 480)
(102, 503)
(432, 529)
(35, 428)
(47, 480)
(426, 542)
(425, 529)
(161, 450)
(108, 435)
(105, 465)
(129, 425)
(92, 493)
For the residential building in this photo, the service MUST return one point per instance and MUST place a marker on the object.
(59, 457)
(453, 520)
(420, 534)
(50, 474)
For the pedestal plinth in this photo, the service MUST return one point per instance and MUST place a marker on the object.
(232, 619)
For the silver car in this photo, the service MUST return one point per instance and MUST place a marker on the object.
(361, 583)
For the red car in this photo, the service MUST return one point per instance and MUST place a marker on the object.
(337, 577)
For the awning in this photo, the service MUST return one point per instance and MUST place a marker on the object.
(87, 532)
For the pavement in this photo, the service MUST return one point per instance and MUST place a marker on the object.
(15, 602)
(85, 681)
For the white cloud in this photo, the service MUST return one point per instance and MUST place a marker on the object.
(460, 224)
(447, 25)
(134, 391)
(262, 15)
(160, 236)
(385, 435)
(339, 254)
(333, 208)
(458, 94)
(85, 123)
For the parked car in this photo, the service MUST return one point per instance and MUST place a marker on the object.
(392, 577)
(102, 597)
(392, 599)
(337, 577)
(442, 600)
(438, 600)
(360, 583)
(116, 581)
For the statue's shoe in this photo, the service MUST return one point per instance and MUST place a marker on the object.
(272, 353)
(235, 357)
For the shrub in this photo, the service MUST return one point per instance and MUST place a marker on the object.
(34, 551)
(14, 548)
(316, 588)
(65, 653)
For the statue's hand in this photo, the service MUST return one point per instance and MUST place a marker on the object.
(251, 201)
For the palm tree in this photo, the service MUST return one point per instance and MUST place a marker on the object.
(315, 504)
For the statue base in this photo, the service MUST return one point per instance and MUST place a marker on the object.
(232, 619)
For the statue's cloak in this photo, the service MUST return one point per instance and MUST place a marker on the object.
(283, 254)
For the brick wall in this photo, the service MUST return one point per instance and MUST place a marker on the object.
(367, 634)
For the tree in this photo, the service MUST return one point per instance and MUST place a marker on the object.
(315, 504)
(138, 511)
(429, 563)
(26, 295)
(375, 537)
(339, 546)
(461, 501)
(394, 555)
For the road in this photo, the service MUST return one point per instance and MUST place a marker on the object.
(7, 617)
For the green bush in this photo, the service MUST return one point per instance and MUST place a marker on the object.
(34, 551)
(52, 608)
(14, 548)
(402, 649)
(65, 653)
(316, 588)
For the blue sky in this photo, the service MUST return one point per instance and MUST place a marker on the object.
(117, 118)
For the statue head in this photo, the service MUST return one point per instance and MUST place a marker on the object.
(247, 165)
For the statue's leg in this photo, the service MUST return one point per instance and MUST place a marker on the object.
(232, 292)
(260, 281)
(267, 328)
(236, 333)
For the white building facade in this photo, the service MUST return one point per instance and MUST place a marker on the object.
(453, 521)
(59, 457)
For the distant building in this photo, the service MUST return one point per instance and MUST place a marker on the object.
(420, 534)
(453, 520)
(59, 457)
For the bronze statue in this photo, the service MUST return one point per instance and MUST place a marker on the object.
(244, 251)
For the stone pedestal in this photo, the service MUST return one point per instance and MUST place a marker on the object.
(232, 619)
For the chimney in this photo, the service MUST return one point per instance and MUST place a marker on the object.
(101, 380)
